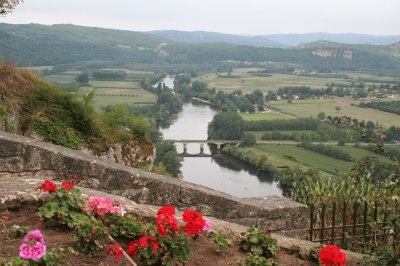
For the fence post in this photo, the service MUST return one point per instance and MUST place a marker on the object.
(365, 223)
(354, 218)
(344, 223)
(311, 222)
(333, 223)
(321, 235)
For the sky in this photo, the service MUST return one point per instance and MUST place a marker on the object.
(249, 17)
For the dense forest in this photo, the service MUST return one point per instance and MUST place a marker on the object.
(86, 47)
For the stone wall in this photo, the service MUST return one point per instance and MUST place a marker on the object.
(24, 156)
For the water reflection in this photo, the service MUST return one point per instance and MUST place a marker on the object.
(220, 172)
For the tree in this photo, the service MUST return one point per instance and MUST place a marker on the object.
(167, 155)
(248, 139)
(337, 108)
(6, 6)
(82, 78)
(321, 116)
(228, 125)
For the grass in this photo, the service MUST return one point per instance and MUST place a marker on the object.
(311, 108)
(264, 116)
(278, 153)
(280, 156)
(258, 134)
(248, 82)
(358, 153)
(61, 78)
(136, 96)
(114, 84)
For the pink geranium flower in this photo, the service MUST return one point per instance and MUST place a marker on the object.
(102, 206)
(34, 247)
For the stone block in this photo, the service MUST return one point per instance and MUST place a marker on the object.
(11, 164)
(10, 148)
(33, 158)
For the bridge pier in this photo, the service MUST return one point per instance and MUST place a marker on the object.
(184, 148)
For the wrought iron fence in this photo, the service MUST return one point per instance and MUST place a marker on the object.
(358, 226)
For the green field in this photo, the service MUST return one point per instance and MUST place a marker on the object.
(61, 78)
(258, 134)
(311, 108)
(280, 156)
(264, 116)
(114, 84)
(248, 82)
(133, 96)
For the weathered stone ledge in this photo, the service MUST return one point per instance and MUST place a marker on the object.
(22, 156)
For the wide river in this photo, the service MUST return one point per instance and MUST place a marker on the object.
(220, 172)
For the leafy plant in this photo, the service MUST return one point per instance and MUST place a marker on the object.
(383, 256)
(221, 241)
(260, 244)
(126, 226)
(18, 231)
(255, 260)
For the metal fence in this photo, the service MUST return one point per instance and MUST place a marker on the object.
(358, 226)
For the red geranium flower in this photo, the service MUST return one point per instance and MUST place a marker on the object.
(195, 222)
(167, 210)
(48, 186)
(114, 249)
(132, 249)
(332, 255)
(165, 218)
(67, 185)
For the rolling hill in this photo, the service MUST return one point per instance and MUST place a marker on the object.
(80, 47)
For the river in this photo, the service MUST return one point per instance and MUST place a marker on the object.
(220, 172)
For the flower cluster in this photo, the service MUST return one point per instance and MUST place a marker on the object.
(165, 218)
(72, 181)
(102, 206)
(332, 255)
(34, 247)
(207, 226)
(115, 249)
(194, 222)
(143, 242)
(48, 186)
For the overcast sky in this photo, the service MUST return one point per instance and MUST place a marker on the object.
(252, 17)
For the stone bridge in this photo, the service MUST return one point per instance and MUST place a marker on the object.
(217, 143)
(22, 157)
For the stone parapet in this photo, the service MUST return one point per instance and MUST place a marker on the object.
(24, 157)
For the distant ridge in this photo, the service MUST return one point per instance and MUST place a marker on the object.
(274, 40)
(211, 37)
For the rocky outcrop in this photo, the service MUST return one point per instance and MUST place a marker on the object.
(135, 154)
(347, 53)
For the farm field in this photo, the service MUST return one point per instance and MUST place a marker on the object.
(264, 116)
(61, 78)
(258, 134)
(114, 84)
(247, 82)
(135, 96)
(276, 153)
(358, 153)
(280, 156)
(311, 108)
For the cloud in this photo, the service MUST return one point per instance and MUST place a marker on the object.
(234, 16)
